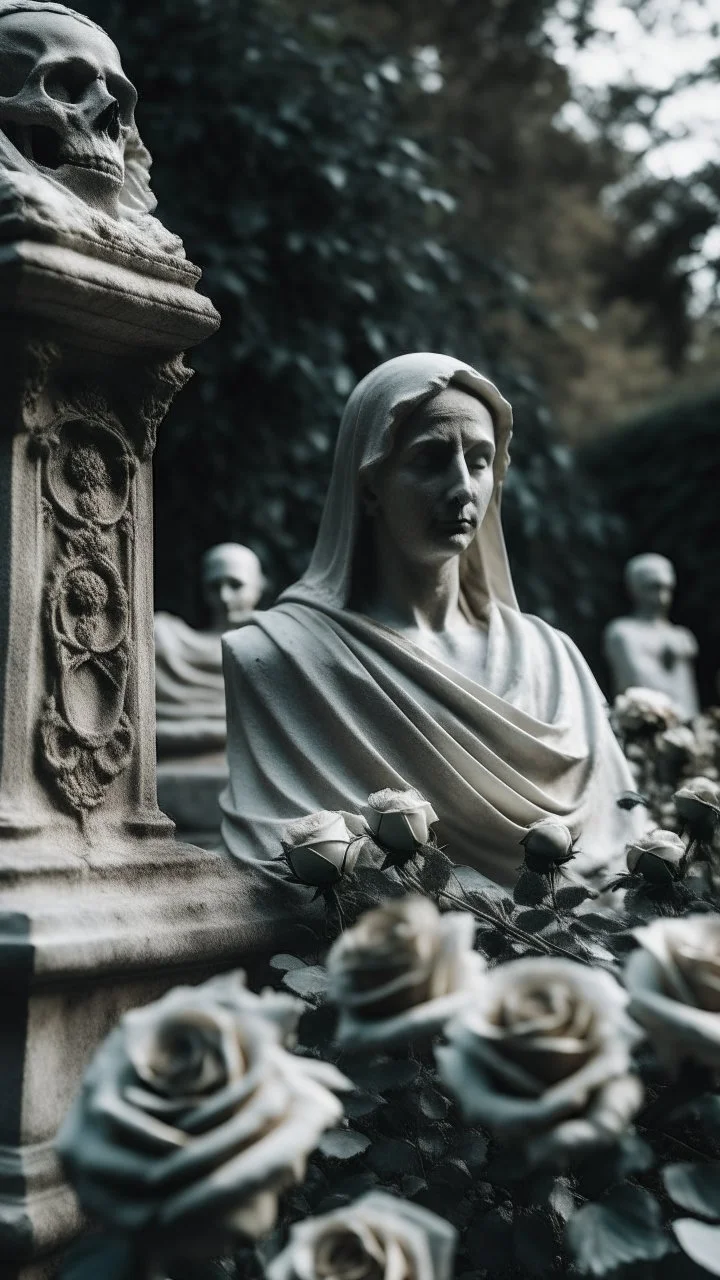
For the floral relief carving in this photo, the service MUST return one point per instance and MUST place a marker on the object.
(86, 737)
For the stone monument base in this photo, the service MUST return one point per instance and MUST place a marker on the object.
(188, 792)
(80, 943)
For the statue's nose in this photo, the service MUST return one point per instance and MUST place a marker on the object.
(460, 490)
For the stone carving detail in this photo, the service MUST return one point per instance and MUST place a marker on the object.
(72, 161)
(86, 735)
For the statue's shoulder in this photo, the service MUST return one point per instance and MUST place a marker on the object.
(255, 640)
(167, 625)
(619, 629)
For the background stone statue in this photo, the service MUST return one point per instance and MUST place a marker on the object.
(190, 690)
(401, 658)
(646, 649)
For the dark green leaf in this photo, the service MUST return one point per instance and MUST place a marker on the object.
(629, 1155)
(360, 1104)
(343, 1144)
(625, 1227)
(535, 919)
(285, 962)
(695, 1187)
(384, 1076)
(394, 1156)
(699, 1241)
(471, 1148)
(530, 889)
(310, 982)
(534, 1244)
(410, 1185)
(571, 896)
(489, 1241)
(433, 1104)
(631, 799)
(453, 1174)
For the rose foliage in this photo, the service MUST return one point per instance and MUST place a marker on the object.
(538, 1068)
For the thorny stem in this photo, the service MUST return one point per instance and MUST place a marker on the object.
(489, 917)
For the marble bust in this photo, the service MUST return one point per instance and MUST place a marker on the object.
(648, 650)
(401, 659)
(189, 686)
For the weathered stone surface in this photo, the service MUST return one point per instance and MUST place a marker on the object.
(100, 907)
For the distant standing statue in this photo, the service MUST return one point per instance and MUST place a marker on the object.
(647, 649)
(401, 659)
(190, 691)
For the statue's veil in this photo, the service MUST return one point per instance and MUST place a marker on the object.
(376, 407)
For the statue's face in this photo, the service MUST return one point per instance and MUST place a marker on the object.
(430, 496)
(65, 103)
(233, 589)
(652, 590)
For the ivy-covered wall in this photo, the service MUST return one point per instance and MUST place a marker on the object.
(290, 157)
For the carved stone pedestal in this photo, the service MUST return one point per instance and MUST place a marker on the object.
(100, 907)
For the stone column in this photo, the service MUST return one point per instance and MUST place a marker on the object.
(100, 908)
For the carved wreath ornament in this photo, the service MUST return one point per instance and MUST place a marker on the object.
(85, 734)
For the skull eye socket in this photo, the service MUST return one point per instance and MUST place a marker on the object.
(68, 83)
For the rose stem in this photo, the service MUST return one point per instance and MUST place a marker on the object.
(489, 917)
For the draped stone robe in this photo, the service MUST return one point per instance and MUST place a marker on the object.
(326, 705)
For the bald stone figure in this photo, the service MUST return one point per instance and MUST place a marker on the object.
(189, 686)
(647, 649)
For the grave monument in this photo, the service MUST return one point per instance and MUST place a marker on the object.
(100, 908)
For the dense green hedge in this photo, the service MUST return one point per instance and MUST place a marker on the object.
(287, 158)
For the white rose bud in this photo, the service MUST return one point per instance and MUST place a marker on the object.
(643, 711)
(674, 983)
(400, 820)
(320, 849)
(659, 856)
(401, 972)
(541, 1057)
(697, 804)
(193, 1118)
(378, 1237)
(548, 843)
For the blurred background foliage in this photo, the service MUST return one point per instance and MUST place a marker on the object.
(367, 178)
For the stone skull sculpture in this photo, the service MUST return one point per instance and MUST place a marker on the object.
(67, 107)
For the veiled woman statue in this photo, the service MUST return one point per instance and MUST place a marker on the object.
(401, 659)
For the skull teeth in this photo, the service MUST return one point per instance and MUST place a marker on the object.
(44, 147)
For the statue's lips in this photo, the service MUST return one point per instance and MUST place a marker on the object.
(456, 526)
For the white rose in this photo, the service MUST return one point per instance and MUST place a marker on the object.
(320, 848)
(643, 711)
(674, 983)
(400, 820)
(659, 856)
(541, 1057)
(193, 1116)
(378, 1237)
(403, 970)
(697, 804)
